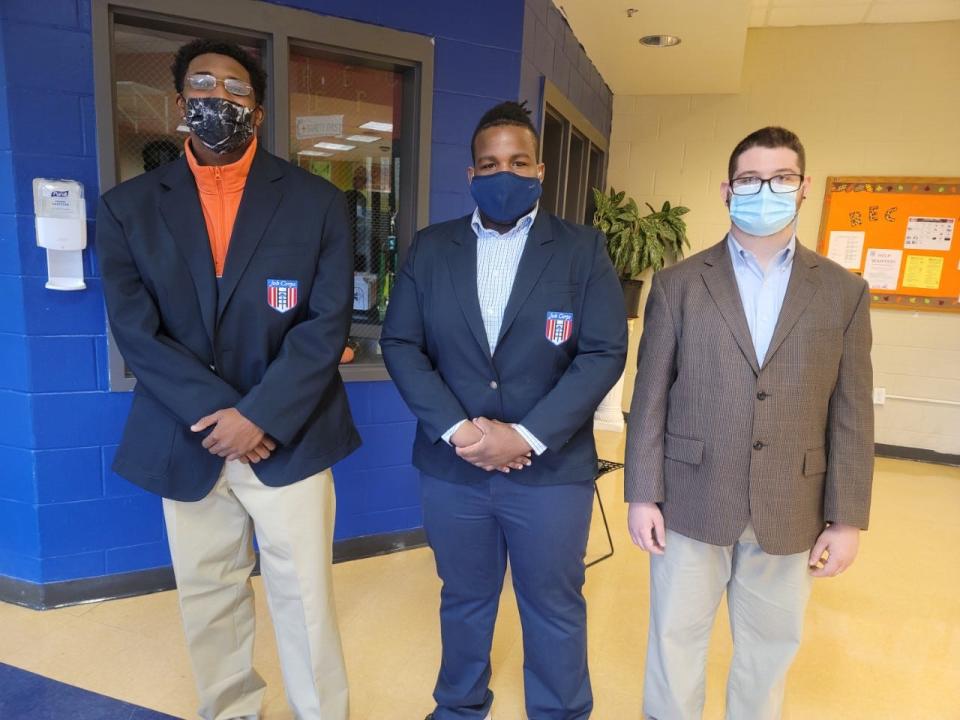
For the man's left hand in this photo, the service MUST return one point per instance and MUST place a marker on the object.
(501, 446)
(834, 551)
(234, 436)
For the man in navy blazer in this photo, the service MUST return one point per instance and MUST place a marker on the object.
(228, 281)
(504, 332)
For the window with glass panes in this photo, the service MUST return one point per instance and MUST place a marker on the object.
(575, 157)
(347, 101)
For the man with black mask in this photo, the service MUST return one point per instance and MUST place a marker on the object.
(505, 331)
(228, 280)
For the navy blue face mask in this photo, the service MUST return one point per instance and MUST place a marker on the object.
(505, 197)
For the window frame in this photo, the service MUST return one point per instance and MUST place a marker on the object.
(277, 28)
(556, 104)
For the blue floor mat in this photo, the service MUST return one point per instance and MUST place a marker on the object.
(27, 696)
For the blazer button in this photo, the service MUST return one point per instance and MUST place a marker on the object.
(762, 395)
(758, 445)
(493, 385)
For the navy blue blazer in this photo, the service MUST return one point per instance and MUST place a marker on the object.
(197, 345)
(435, 346)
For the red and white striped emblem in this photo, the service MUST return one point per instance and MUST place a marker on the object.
(559, 327)
(282, 294)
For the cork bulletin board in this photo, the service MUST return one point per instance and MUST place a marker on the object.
(898, 233)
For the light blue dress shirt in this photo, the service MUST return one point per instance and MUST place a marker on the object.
(761, 292)
(498, 257)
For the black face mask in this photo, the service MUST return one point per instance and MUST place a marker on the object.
(222, 125)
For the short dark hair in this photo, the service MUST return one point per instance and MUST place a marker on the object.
(181, 61)
(768, 137)
(506, 113)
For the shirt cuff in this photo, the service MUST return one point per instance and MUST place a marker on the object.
(538, 447)
(451, 432)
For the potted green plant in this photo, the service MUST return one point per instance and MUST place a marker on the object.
(637, 242)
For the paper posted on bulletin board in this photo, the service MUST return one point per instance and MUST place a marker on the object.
(900, 235)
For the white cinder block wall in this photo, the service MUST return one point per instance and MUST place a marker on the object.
(865, 100)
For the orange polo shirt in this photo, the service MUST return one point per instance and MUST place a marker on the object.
(221, 188)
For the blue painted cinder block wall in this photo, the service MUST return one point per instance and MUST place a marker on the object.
(63, 513)
(551, 50)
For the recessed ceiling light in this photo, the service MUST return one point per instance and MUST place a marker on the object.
(660, 40)
(363, 138)
(377, 126)
(333, 146)
(315, 153)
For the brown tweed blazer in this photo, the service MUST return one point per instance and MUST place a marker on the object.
(718, 440)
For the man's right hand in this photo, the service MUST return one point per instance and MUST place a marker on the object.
(645, 522)
(469, 434)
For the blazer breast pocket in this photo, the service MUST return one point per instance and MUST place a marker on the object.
(559, 288)
(301, 250)
(558, 302)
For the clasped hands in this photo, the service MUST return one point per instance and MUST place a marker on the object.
(234, 437)
(491, 445)
(488, 444)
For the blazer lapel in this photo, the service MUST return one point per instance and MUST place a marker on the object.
(261, 196)
(536, 255)
(722, 285)
(803, 285)
(181, 211)
(462, 262)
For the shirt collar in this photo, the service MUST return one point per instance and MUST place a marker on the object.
(231, 177)
(523, 224)
(744, 256)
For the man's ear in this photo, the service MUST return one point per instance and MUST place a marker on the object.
(725, 192)
(470, 173)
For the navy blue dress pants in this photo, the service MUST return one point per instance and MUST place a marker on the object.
(474, 530)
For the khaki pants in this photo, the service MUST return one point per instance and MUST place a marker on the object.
(212, 549)
(766, 595)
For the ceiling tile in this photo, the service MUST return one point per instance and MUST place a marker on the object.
(816, 15)
(915, 11)
(815, 3)
(758, 16)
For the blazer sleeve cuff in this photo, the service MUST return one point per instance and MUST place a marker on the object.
(451, 432)
(538, 447)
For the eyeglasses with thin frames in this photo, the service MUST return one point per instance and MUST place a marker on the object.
(786, 183)
(207, 82)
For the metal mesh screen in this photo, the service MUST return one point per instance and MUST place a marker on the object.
(149, 132)
(345, 125)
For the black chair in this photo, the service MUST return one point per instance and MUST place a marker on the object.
(604, 467)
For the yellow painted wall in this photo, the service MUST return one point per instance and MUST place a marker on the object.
(865, 100)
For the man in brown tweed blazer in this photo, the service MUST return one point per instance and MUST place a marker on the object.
(749, 455)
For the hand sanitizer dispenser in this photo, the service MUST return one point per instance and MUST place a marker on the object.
(61, 221)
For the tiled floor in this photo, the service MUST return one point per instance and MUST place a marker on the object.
(28, 695)
(881, 641)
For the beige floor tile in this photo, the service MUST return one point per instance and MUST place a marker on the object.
(881, 641)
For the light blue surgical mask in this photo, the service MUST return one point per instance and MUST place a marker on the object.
(763, 213)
